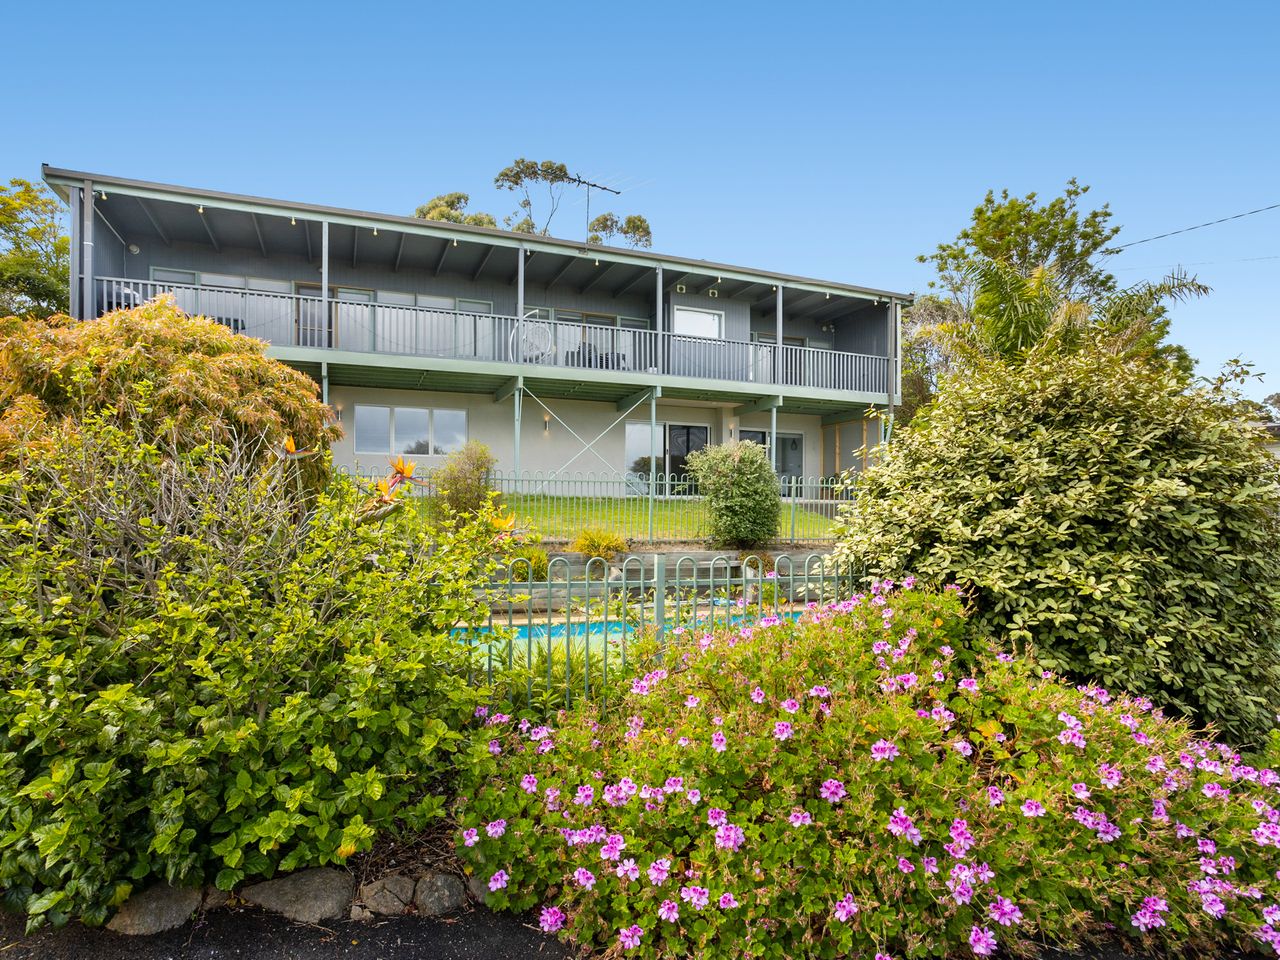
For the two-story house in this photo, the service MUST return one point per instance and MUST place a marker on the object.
(565, 358)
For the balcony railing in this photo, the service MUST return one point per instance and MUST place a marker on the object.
(364, 327)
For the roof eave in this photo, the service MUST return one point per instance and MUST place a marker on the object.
(58, 177)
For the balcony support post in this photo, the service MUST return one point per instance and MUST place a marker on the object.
(660, 360)
(520, 256)
(88, 304)
(324, 382)
(327, 324)
(653, 453)
(773, 439)
(517, 405)
(777, 338)
(891, 342)
(77, 284)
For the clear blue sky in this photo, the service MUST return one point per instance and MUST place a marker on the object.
(837, 140)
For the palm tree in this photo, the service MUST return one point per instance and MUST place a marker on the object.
(1015, 314)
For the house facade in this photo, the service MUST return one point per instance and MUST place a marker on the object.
(567, 359)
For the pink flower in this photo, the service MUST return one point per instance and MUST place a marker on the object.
(498, 880)
(529, 783)
(719, 742)
(832, 791)
(1081, 791)
(716, 816)
(1004, 911)
(658, 871)
(820, 691)
(905, 865)
(630, 936)
(995, 796)
(551, 919)
(969, 684)
(884, 750)
(757, 695)
(791, 705)
(495, 747)
(845, 908)
(696, 897)
(669, 911)
(728, 901)
(1032, 808)
(729, 837)
(584, 878)
(470, 837)
(691, 701)
(901, 825)
(496, 829)
(782, 730)
(628, 870)
(982, 941)
(800, 818)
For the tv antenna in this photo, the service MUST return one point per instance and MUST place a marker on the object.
(584, 182)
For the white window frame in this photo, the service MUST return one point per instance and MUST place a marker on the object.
(392, 450)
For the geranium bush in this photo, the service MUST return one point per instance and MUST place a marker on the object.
(844, 785)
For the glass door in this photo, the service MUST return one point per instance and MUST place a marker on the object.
(312, 327)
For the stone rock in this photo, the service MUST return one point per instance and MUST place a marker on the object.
(479, 886)
(308, 896)
(215, 899)
(389, 895)
(361, 914)
(438, 894)
(155, 910)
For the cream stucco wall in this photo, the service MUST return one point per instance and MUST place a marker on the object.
(546, 444)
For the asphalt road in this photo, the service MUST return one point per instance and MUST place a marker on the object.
(249, 934)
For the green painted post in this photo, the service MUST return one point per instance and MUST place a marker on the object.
(659, 594)
(516, 398)
(793, 509)
(653, 454)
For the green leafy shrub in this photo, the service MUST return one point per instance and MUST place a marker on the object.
(461, 484)
(844, 787)
(1097, 509)
(205, 678)
(741, 488)
(598, 542)
(529, 562)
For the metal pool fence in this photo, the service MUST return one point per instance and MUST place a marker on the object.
(668, 509)
(547, 642)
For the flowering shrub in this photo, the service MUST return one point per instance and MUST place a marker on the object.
(207, 677)
(1123, 524)
(845, 786)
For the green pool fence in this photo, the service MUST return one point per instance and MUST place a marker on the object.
(545, 643)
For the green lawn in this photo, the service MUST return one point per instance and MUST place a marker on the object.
(560, 519)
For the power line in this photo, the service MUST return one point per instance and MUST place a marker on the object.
(1199, 263)
(1198, 226)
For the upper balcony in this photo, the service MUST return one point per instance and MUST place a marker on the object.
(348, 291)
(361, 326)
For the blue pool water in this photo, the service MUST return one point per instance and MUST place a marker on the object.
(593, 630)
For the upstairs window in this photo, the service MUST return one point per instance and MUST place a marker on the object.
(691, 322)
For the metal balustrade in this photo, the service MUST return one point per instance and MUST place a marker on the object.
(364, 327)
